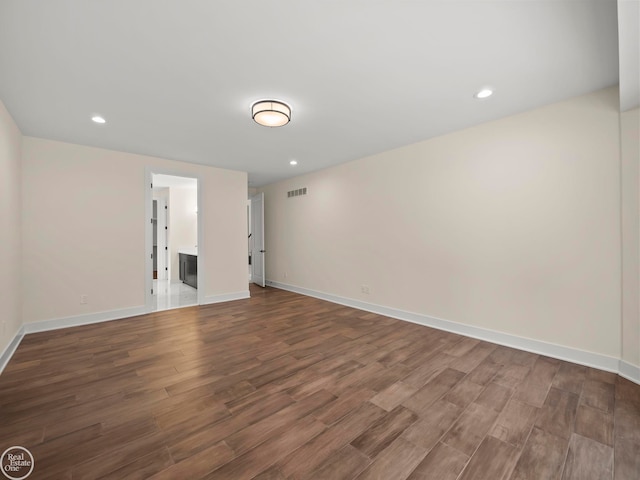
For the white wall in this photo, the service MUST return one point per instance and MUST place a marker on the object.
(630, 155)
(84, 228)
(183, 224)
(512, 226)
(10, 230)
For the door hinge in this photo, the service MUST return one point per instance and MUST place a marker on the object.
(166, 227)
(152, 255)
(166, 248)
(166, 268)
(152, 291)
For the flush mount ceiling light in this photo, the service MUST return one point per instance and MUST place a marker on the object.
(484, 93)
(98, 119)
(271, 113)
(293, 162)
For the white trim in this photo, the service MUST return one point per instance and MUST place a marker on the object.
(595, 360)
(11, 348)
(76, 321)
(226, 297)
(629, 371)
(574, 355)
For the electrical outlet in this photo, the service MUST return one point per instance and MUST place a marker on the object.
(83, 299)
(365, 289)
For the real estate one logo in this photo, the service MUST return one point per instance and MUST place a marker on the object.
(17, 463)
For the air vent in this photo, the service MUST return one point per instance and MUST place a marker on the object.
(297, 192)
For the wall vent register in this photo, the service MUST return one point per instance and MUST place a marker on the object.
(297, 193)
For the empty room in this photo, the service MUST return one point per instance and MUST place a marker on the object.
(296, 239)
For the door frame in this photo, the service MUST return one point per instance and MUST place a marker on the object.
(262, 249)
(148, 232)
(163, 237)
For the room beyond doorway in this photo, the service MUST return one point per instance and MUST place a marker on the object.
(173, 253)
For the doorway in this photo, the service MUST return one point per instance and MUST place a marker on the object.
(174, 249)
(257, 250)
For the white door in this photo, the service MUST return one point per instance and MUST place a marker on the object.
(257, 235)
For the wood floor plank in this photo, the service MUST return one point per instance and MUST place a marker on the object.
(470, 360)
(259, 432)
(463, 393)
(627, 432)
(309, 456)
(256, 460)
(588, 460)
(484, 372)
(434, 389)
(494, 459)
(283, 386)
(570, 377)
(349, 400)
(511, 375)
(469, 430)
(425, 372)
(514, 423)
(142, 468)
(394, 395)
(494, 396)
(397, 461)
(594, 424)
(542, 457)
(433, 424)
(197, 465)
(345, 464)
(442, 463)
(557, 416)
(598, 394)
(384, 431)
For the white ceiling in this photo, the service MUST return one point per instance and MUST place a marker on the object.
(175, 79)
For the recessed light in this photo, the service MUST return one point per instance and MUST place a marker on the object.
(484, 93)
(98, 119)
(293, 162)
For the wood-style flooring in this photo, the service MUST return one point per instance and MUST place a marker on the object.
(283, 386)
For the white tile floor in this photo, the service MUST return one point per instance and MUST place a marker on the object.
(173, 294)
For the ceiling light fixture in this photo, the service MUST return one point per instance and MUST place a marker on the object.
(271, 113)
(293, 162)
(98, 119)
(484, 93)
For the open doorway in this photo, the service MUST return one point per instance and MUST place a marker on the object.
(257, 250)
(174, 231)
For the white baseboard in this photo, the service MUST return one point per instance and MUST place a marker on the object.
(629, 371)
(602, 362)
(77, 320)
(226, 297)
(590, 359)
(10, 349)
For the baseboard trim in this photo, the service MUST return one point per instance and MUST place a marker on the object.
(226, 297)
(11, 348)
(629, 371)
(87, 319)
(590, 359)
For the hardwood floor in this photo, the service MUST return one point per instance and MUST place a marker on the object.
(283, 386)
